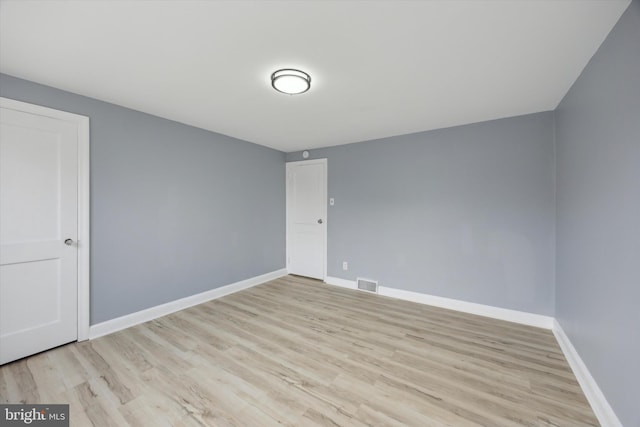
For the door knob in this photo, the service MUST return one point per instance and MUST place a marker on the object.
(320, 221)
(68, 242)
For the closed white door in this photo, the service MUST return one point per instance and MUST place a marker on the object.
(307, 218)
(38, 233)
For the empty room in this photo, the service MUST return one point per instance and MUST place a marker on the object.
(320, 213)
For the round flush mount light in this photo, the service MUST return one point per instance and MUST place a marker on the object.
(290, 81)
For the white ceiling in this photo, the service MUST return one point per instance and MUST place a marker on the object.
(378, 68)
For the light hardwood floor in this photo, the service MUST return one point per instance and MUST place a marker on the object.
(297, 352)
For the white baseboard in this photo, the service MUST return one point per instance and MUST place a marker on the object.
(142, 316)
(594, 395)
(522, 317)
(515, 316)
(343, 283)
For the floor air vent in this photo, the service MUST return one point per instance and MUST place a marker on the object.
(367, 285)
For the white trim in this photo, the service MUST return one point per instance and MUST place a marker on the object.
(605, 414)
(148, 314)
(522, 317)
(344, 283)
(516, 316)
(82, 123)
(325, 190)
(84, 231)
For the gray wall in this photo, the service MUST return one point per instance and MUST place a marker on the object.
(464, 212)
(175, 210)
(598, 216)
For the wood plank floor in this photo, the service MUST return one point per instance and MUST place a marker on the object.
(297, 352)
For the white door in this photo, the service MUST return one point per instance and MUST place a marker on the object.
(38, 214)
(307, 218)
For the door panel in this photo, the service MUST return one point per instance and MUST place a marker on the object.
(306, 202)
(17, 279)
(38, 211)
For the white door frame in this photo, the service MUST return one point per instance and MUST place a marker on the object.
(82, 124)
(289, 165)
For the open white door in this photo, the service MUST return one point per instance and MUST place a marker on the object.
(307, 218)
(39, 231)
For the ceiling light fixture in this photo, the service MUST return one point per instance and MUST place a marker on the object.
(290, 81)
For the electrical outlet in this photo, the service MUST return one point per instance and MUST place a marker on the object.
(332, 201)
(345, 265)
